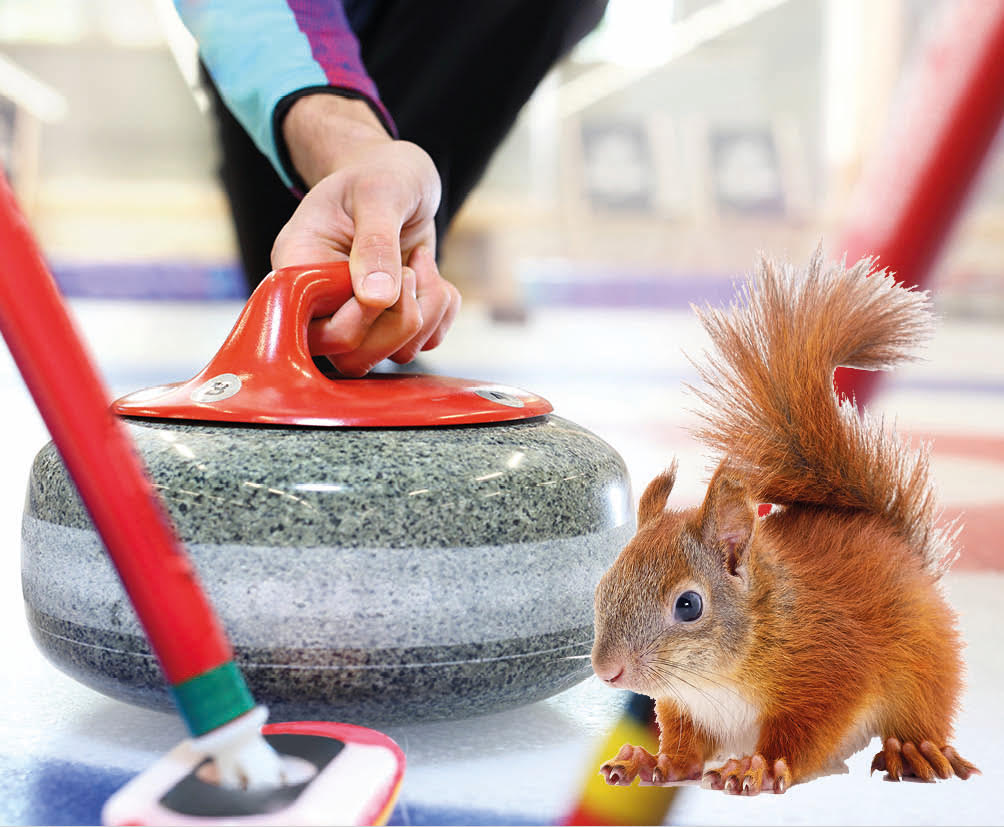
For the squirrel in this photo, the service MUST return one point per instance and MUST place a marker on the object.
(775, 647)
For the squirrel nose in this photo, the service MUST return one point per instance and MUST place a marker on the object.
(610, 674)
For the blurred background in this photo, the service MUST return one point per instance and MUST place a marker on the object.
(652, 165)
(680, 138)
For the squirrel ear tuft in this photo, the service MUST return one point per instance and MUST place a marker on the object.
(728, 518)
(653, 500)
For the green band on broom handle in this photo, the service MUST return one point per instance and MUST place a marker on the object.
(213, 698)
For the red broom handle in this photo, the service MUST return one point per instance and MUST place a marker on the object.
(182, 628)
(915, 188)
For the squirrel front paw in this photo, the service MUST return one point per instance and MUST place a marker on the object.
(650, 770)
(749, 776)
(924, 761)
(630, 763)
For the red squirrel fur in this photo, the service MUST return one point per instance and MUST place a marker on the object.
(823, 624)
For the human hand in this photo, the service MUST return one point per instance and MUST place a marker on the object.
(372, 201)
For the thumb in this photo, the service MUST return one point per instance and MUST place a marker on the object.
(375, 257)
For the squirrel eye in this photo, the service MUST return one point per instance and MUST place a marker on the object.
(688, 607)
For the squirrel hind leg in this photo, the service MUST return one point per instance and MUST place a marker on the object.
(924, 761)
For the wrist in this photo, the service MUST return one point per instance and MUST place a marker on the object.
(322, 130)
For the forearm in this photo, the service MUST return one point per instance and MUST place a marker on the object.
(323, 132)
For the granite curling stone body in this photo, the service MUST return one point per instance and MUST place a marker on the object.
(375, 574)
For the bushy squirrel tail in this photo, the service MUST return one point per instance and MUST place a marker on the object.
(770, 405)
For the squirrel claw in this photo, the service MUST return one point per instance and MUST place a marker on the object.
(923, 761)
(749, 776)
(712, 780)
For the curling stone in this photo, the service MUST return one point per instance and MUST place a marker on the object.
(393, 548)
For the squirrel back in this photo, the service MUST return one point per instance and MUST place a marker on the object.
(770, 405)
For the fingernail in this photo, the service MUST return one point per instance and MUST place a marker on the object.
(379, 287)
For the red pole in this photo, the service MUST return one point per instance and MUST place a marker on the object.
(182, 628)
(916, 186)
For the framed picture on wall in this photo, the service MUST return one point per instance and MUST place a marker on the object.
(745, 167)
(621, 166)
(617, 165)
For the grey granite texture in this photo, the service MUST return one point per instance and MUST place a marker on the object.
(373, 575)
(371, 687)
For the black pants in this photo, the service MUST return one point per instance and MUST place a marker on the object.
(453, 74)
